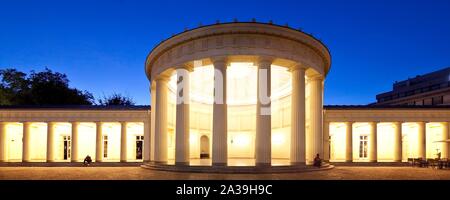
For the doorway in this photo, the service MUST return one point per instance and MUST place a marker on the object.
(67, 147)
(363, 141)
(139, 144)
(105, 146)
(204, 147)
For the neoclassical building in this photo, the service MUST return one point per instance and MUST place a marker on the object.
(230, 94)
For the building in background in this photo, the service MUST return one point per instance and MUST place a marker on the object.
(428, 89)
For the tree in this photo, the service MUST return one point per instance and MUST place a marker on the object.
(116, 99)
(40, 88)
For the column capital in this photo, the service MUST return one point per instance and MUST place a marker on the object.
(297, 66)
(162, 77)
(316, 77)
(75, 122)
(264, 60)
(421, 123)
(217, 60)
(397, 123)
(187, 66)
(50, 124)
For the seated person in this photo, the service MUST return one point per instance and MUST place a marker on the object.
(87, 160)
(317, 161)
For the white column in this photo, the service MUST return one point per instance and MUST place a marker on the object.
(422, 152)
(316, 105)
(263, 142)
(152, 121)
(99, 142)
(373, 157)
(182, 121)
(123, 141)
(220, 131)
(398, 142)
(161, 120)
(50, 141)
(298, 134)
(445, 134)
(146, 141)
(74, 142)
(326, 141)
(3, 143)
(348, 141)
(26, 156)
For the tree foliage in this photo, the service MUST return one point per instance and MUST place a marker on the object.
(116, 99)
(40, 88)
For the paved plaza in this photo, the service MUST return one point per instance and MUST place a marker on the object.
(138, 173)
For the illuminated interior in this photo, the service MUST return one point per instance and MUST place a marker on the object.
(434, 134)
(361, 144)
(410, 143)
(337, 142)
(385, 142)
(62, 134)
(135, 135)
(14, 134)
(241, 100)
(38, 136)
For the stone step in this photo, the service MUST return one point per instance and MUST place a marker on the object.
(236, 169)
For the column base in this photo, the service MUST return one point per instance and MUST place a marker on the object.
(50, 161)
(219, 164)
(263, 164)
(99, 161)
(26, 160)
(123, 160)
(3, 161)
(373, 161)
(348, 161)
(398, 161)
(181, 163)
(298, 163)
(159, 162)
(74, 161)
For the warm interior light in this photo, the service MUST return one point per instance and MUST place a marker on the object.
(241, 83)
(241, 101)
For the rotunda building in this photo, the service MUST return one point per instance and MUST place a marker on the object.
(237, 94)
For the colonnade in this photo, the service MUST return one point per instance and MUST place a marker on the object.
(50, 150)
(300, 148)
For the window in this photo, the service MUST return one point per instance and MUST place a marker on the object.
(438, 100)
(105, 146)
(435, 87)
(446, 99)
(363, 146)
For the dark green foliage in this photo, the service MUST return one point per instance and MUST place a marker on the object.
(40, 88)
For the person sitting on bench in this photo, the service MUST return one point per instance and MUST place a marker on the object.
(317, 161)
(87, 160)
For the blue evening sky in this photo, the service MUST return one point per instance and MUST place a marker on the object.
(102, 45)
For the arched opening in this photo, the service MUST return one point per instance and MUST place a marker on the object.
(204, 147)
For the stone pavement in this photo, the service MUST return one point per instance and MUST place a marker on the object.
(138, 173)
